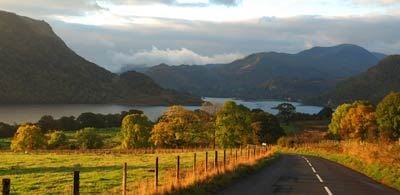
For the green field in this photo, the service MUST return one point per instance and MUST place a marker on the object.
(53, 173)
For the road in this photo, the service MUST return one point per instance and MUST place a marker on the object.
(296, 174)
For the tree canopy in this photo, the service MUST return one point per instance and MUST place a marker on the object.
(388, 116)
(28, 137)
(135, 131)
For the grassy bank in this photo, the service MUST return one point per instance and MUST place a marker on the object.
(378, 161)
(213, 184)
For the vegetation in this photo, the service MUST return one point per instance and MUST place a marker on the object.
(371, 85)
(28, 137)
(388, 116)
(135, 131)
(57, 139)
(88, 138)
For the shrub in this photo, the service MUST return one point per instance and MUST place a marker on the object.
(28, 137)
(57, 139)
(87, 138)
(388, 116)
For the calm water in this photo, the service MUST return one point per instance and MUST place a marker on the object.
(31, 113)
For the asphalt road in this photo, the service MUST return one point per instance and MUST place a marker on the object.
(296, 174)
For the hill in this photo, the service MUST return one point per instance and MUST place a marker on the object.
(371, 85)
(38, 67)
(269, 75)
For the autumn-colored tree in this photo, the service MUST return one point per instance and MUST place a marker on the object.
(388, 116)
(135, 131)
(337, 117)
(177, 127)
(359, 123)
(233, 125)
(28, 137)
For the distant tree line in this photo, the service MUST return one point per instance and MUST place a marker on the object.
(70, 123)
(229, 125)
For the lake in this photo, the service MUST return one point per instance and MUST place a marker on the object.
(31, 113)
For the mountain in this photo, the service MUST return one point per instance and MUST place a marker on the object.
(36, 66)
(371, 85)
(269, 75)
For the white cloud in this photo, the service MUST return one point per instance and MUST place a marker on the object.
(157, 56)
(377, 2)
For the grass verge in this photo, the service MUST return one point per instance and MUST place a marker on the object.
(217, 182)
(386, 171)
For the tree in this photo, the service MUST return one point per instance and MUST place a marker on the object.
(89, 119)
(57, 139)
(7, 130)
(176, 128)
(359, 123)
(233, 125)
(388, 116)
(325, 113)
(47, 123)
(135, 131)
(28, 137)
(286, 111)
(265, 126)
(337, 117)
(88, 138)
(67, 123)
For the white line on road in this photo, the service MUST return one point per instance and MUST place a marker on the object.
(319, 178)
(328, 191)
(313, 170)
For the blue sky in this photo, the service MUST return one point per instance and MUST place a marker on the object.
(120, 33)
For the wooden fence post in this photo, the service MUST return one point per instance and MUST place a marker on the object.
(177, 169)
(216, 160)
(194, 166)
(124, 177)
(224, 159)
(254, 152)
(76, 183)
(156, 176)
(206, 168)
(6, 186)
(236, 156)
(248, 153)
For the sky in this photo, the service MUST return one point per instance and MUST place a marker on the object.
(124, 34)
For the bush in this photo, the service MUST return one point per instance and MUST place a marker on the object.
(28, 137)
(87, 138)
(57, 139)
(287, 142)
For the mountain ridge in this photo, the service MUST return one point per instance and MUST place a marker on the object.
(38, 67)
(267, 75)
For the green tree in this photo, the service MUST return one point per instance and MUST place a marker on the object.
(266, 127)
(337, 117)
(286, 111)
(88, 138)
(28, 137)
(47, 123)
(233, 125)
(388, 116)
(57, 139)
(135, 131)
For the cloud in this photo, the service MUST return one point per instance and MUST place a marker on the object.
(157, 56)
(226, 2)
(377, 2)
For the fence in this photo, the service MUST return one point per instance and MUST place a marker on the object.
(178, 177)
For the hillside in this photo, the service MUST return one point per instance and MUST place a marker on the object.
(269, 75)
(38, 67)
(371, 85)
